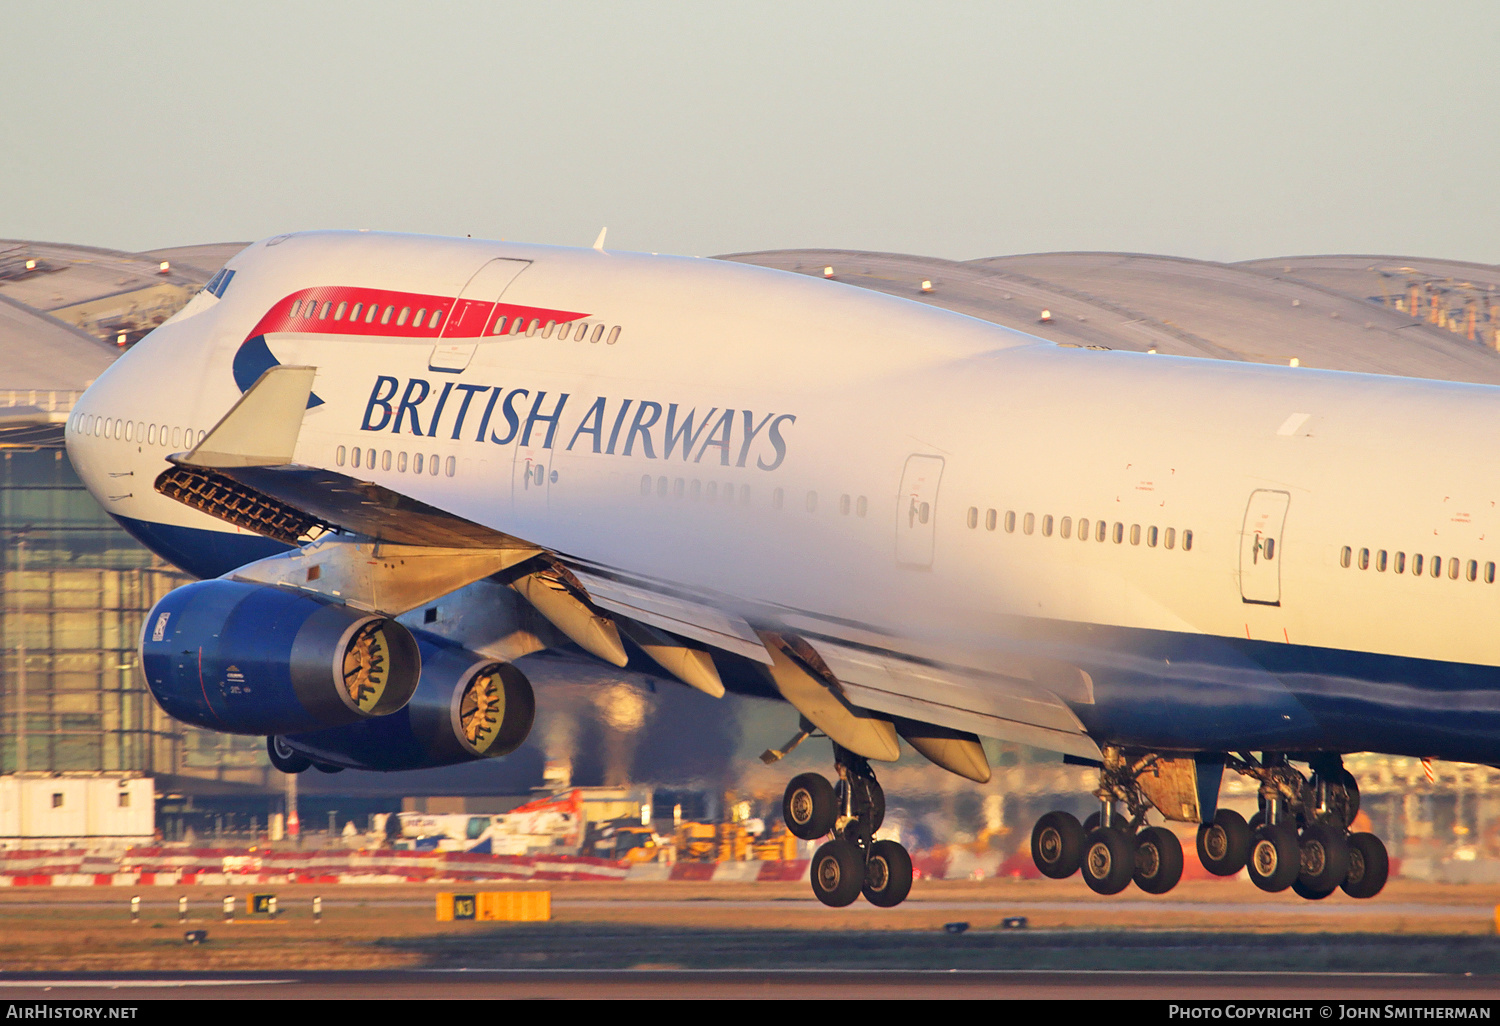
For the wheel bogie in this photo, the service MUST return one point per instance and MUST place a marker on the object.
(1158, 860)
(888, 874)
(1057, 843)
(1108, 860)
(809, 807)
(1275, 857)
(1224, 844)
(1323, 857)
(1369, 865)
(284, 757)
(838, 873)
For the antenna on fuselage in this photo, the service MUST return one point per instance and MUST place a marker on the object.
(599, 242)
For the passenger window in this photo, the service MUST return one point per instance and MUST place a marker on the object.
(176, 437)
(338, 314)
(1453, 568)
(1169, 538)
(402, 316)
(296, 308)
(531, 328)
(370, 314)
(450, 466)
(338, 456)
(1416, 565)
(1135, 534)
(989, 520)
(499, 328)
(1270, 548)
(1489, 573)
(1119, 533)
(1151, 537)
(1047, 526)
(645, 484)
(129, 430)
(1187, 541)
(1029, 524)
(357, 452)
(151, 434)
(583, 329)
(385, 460)
(358, 309)
(437, 317)
(370, 458)
(860, 506)
(598, 333)
(1010, 521)
(385, 318)
(401, 462)
(432, 465)
(547, 329)
(323, 311)
(711, 491)
(416, 463)
(1364, 559)
(1473, 571)
(922, 512)
(614, 336)
(973, 517)
(516, 325)
(1400, 566)
(1380, 561)
(1065, 529)
(1437, 566)
(416, 322)
(1346, 557)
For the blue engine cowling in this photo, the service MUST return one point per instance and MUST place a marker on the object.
(466, 707)
(254, 659)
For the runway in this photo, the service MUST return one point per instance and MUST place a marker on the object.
(1318, 989)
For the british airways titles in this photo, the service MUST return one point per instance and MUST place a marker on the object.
(628, 427)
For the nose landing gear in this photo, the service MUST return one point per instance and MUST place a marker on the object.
(853, 863)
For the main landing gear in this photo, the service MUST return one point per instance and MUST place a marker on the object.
(853, 862)
(1300, 839)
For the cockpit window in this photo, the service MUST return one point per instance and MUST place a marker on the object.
(219, 283)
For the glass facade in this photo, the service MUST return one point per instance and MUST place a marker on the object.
(74, 590)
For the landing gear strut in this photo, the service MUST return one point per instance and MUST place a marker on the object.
(853, 862)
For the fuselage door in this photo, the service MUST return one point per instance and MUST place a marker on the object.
(1260, 546)
(916, 510)
(474, 315)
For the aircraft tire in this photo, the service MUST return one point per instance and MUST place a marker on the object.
(284, 757)
(1057, 845)
(327, 767)
(1310, 893)
(838, 873)
(1275, 857)
(1158, 860)
(1369, 865)
(1224, 844)
(1323, 857)
(1108, 860)
(888, 874)
(808, 806)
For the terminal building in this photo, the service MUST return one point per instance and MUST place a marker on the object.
(74, 588)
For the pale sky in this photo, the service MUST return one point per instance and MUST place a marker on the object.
(958, 130)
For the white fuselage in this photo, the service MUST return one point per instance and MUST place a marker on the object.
(843, 459)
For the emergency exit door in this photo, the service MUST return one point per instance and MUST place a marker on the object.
(1260, 546)
(916, 510)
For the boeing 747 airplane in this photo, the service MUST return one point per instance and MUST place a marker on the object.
(400, 465)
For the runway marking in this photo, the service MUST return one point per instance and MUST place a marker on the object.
(119, 984)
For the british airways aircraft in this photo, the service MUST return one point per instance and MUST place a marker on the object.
(403, 465)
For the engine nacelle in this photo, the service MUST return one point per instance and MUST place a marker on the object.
(255, 659)
(466, 707)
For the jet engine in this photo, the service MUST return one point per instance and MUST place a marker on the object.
(254, 659)
(466, 707)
